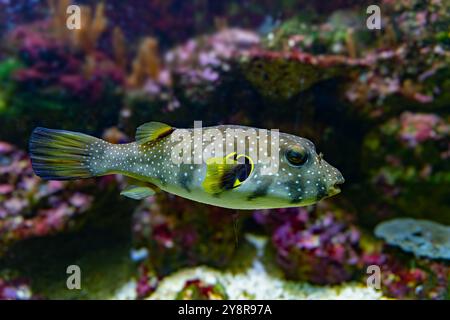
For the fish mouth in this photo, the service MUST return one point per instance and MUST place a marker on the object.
(335, 189)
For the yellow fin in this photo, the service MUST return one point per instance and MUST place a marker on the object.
(152, 131)
(221, 174)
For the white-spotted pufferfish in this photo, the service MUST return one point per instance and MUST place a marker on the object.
(238, 182)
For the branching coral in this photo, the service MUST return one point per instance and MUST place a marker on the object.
(146, 64)
(119, 49)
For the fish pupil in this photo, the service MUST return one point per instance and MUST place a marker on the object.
(296, 156)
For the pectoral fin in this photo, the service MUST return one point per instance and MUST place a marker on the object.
(225, 173)
(137, 192)
(151, 131)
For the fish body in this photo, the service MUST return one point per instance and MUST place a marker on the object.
(237, 171)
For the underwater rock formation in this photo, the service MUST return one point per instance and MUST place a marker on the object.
(421, 237)
(280, 75)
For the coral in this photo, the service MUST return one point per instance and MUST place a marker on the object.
(16, 289)
(146, 65)
(147, 282)
(308, 32)
(410, 279)
(406, 160)
(91, 29)
(420, 237)
(419, 127)
(78, 90)
(320, 249)
(199, 65)
(196, 289)
(409, 62)
(30, 207)
(180, 233)
(119, 48)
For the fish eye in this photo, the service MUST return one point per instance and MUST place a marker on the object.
(296, 155)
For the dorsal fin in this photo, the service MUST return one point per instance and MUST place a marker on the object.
(151, 131)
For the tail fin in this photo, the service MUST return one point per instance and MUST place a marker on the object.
(64, 155)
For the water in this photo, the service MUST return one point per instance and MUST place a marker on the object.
(373, 101)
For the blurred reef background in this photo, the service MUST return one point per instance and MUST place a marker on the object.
(375, 102)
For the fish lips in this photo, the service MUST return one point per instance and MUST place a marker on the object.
(335, 188)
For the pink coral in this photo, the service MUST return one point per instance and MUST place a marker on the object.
(416, 128)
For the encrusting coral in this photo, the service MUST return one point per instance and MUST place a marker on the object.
(421, 237)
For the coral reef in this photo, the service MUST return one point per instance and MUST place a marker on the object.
(196, 289)
(30, 207)
(257, 281)
(179, 233)
(316, 248)
(410, 62)
(375, 102)
(60, 78)
(200, 65)
(403, 278)
(147, 282)
(406, 160)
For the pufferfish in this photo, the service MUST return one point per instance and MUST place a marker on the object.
(228, 179)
